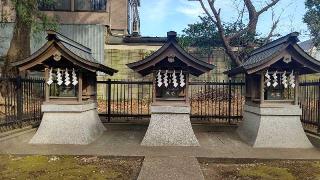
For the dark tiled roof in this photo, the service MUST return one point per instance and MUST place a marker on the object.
(258, 57)
(171, 42)
(261, 57)
(73, 46)
(80, 54)
(262, 53)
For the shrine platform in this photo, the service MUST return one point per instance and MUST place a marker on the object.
(125, 139)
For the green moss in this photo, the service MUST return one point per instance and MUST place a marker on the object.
(266, 172)
(40, 167)
(316, 165)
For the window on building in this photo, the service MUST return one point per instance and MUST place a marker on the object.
(79, 5)
(90, 5)
(56, 5)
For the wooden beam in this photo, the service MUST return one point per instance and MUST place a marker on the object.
(72, 3)
(80, 87)
(154, 87)
(262, 88)
(47, 87)
(296, 91)
(187, 88)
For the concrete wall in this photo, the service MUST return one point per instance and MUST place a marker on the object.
(117, 56)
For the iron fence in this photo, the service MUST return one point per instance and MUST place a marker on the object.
(309, 100)
(125, 99)
(20, 102)
(221, 102)
(213, 102)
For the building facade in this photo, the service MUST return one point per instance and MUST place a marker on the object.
(120, 16)
(89, 22)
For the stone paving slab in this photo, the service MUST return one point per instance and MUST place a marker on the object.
(175, 168)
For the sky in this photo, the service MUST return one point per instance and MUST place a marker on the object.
(160, 16)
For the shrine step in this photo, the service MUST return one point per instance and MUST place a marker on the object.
(177, 168)
(197, 127)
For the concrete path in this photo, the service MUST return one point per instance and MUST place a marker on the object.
(160, 162)
(175, 168)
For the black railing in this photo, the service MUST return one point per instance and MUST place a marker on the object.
(130, 99)
(220, 102)
(309, 100)
(20, 102)
(213, 102)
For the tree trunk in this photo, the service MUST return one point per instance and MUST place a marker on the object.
(19, 49)
(20, 43)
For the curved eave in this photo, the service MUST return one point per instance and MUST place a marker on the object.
(34, 55)
(308, 61)
(81, 62)
(315, 63)
(93, 65)
(193, 59)
(148, 59)
(205, 67)
(253, 68)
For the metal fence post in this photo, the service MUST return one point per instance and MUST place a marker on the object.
(19, 100)
(318, 106)
(109, 100)
(229, 102)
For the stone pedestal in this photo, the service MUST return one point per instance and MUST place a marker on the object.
(273, 126)
(170, 126)
(68, 124)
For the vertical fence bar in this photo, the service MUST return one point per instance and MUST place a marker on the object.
(318, 130)
(109, 99)
(229, 101)
(19, 100)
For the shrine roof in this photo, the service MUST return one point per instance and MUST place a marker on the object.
(270, 53)
(75, 52)
(171, 49)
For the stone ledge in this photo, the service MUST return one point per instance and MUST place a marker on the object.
(289, 110)
(68, 108)
(170, 109)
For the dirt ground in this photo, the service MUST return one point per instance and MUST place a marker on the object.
(69, 167)
(266, 170)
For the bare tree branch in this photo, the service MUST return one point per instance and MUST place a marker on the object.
(249, 29)
(275, 22)
(206, 11)
(225, 39)
(274, 2)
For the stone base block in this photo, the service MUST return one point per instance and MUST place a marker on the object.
(274, 126)
(170, 126)
(68, 124)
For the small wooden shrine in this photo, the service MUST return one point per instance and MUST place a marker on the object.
(69, 69)
(70, 115)
(171, 67)
(272, 85)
